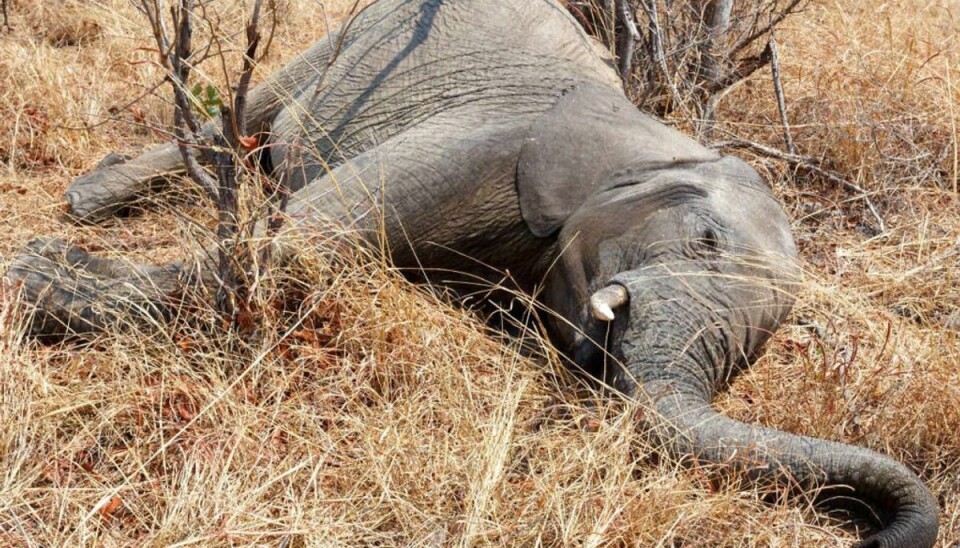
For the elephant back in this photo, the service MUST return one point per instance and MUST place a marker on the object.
(403, 62)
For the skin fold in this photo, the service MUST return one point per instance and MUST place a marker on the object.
(483, 136)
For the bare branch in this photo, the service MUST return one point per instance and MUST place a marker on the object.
(243, 86)
(744, 69)
(763, 31)
(177, 58)
(336, 52)
(173, 58)
(626, 44)
(778, 91)
(657, 51)
(810, 164)
(688, 42)
(233, 291)
(273, 27)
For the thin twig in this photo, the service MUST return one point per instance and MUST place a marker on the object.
(763, 31)
(611, 24)
(174, 59)
(953, 126)
(778, 90)
(114, 110)
(627, 42)
(810, 164)
(354, 14)
(243, 86)
(274, 21)
(179, 61)
(187, 139)
(233, 290)
(745, 69)
(656, 43)
(692, 61)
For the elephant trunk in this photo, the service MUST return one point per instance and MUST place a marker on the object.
(679, 365)
(688, 427)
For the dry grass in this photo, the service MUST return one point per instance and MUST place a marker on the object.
(392, 418)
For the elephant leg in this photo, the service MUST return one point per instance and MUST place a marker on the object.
(434, 187)
(70, 292)
(432, 196)
(117, 182)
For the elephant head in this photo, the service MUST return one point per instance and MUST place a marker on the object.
(675, 266)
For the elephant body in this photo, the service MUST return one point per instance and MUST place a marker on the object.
(492, 136)
(438, 93)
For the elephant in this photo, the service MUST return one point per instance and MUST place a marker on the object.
(491, 136)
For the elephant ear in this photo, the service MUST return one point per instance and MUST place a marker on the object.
(593, 139)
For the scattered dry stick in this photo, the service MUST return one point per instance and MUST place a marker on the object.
(628, 40)
(810, 164)
(778, 90)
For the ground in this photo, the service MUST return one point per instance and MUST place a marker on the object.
(390, 417)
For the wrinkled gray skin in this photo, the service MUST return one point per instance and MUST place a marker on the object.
(495, 130)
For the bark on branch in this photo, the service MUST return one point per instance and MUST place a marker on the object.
(234, 288)
(627, 42)
(696, 49)
(223, 150)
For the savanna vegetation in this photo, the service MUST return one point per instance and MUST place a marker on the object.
(363, 410)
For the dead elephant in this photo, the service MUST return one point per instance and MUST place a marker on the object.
(493, 129)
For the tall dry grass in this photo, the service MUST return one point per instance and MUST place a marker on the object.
(388, 417)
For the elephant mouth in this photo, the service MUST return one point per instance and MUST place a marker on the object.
(598, 352)
(607, 324)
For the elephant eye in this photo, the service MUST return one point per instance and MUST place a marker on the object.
(709, 241)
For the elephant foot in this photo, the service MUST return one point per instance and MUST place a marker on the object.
(69, 292)
(119, 181)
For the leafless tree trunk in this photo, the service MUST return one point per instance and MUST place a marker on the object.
(226, 150)
(684, 54)
(715, 18)
(715, 15)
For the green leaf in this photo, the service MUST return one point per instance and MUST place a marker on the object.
(206, 99)
(212, 102)
(213, 95)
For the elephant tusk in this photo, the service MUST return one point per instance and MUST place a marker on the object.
(604, 301)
